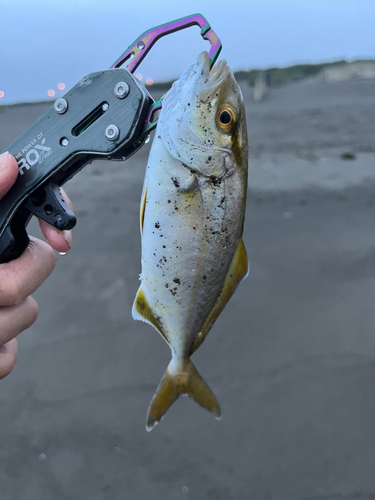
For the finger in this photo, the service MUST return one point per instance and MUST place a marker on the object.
(16, 319)
(8, 173)
(8, 356)
(21, 277)
(61, 241)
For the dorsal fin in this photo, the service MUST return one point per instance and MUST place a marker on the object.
(238, 270)
(141, 311)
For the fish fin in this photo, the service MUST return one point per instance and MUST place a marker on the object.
(142, 311)
(143, 209)
(238, 270)
(173, 385)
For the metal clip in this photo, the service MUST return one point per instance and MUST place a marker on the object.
(142, 45)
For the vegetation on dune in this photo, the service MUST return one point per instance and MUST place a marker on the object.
(278, 76)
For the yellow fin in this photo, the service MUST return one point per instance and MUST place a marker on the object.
(238, 270)
(143, 209)
(174, 384)
(141, 311)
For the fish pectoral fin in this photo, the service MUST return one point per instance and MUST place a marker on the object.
(238, 270)
(143, 209)
(173, 385)
(142, 311)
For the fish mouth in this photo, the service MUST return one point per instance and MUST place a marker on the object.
(210, 80)
(200, 79)
(204, 65)
(218, 70)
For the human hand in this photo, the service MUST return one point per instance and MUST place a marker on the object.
(21, 277)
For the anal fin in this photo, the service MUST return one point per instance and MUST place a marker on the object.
(141, 311)
(238, 270)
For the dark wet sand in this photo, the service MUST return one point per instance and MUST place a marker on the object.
(291, 359)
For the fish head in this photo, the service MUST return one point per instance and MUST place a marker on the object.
(203, 123)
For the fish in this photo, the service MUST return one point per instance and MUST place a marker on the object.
(191, 218)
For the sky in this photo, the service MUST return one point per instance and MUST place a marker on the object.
(47, 42)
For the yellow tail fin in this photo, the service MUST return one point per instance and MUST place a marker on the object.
(172, 385)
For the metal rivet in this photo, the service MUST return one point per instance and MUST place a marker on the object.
(112, 132)
(121, 90)
(105, 106)
(61, 105)
(64, 142)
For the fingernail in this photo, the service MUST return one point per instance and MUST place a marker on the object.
(66, 236)
(4, 161)
(4, 157)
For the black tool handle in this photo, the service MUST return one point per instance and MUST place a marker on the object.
(100, 117)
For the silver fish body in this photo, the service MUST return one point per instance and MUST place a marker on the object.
(192, 214)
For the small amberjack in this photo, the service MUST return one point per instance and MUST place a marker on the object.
(192, 214)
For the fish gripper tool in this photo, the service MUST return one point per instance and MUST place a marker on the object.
(106, 115)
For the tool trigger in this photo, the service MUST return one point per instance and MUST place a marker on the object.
(48, 204)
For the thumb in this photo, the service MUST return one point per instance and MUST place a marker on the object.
(8, 173)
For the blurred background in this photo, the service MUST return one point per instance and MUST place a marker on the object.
(45, 43)
(292, 357)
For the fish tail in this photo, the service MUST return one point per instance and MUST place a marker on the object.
(173, 385)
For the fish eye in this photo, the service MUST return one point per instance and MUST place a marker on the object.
(225, 117)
